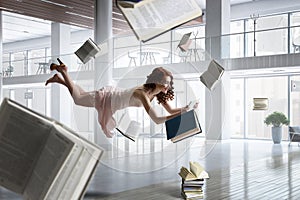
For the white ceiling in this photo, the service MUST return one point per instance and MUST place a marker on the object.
(18, 27)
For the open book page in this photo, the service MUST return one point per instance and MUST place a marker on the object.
(128, 127)
(22, 138)
(198, 170)
(185, 42)
(186, 174)
(71, 181)
(54, 154)
(211, 76)
(154, 17)
(215, 69)
(208, 80)
(88, 50)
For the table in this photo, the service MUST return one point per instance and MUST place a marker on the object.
(148, 57)
(8, 72)
(43, 67)
(197, 53)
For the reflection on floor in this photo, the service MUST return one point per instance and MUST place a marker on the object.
(239, 169)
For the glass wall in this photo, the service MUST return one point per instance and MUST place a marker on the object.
(249, 123)
(237, 107)
(295, 32)
(237, 44)
(263, 31)
(295, 101)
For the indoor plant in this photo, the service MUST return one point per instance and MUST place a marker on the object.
(277, 119)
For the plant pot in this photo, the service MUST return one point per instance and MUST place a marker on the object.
(277, 134)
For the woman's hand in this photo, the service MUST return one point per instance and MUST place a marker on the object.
(185, 109)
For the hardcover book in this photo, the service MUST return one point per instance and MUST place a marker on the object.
(212, 75)
(41, 158)
(183, 126)
(88, 50)
(150, 18)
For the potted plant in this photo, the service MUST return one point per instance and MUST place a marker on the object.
(277, 119)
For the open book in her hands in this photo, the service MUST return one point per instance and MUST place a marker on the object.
(150, 18)
(212, 75)
(88, 50)
(41, 158)
(183, 126)
(196, 172)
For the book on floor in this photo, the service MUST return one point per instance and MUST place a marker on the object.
(185, 42)
(192, 195)
(151, 18)
(88, 50)
(183, 126)
(195, 172)
(41, 158)
(212, 75)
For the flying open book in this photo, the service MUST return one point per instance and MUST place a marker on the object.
(150, 18)
(88, 50)
(212, 75)
(129, 128)
(185, 42)
(260, 103)
(183, 126)
(41, 158)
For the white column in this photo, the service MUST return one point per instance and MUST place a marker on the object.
(1, 57)
(61, 101)
(103, 66)
(218, 101)
(217, 114)
(217, 24)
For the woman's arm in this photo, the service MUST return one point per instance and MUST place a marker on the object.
(174, 110)
(151, 112)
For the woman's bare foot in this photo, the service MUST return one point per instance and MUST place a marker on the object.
(59, 68)
(55, 79)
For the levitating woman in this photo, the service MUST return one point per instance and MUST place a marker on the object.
(108, 100)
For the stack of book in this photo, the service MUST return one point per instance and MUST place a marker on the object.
(192, 189)
(192, 181)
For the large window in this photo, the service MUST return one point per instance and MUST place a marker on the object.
(237, 39)
(295, 32)
(249, 123)
(237, 107)
(276, 90)
(260, 42)
(295, 101)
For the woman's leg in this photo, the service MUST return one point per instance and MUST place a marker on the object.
(79, 96)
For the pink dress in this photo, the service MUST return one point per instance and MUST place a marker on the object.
(110, 99)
